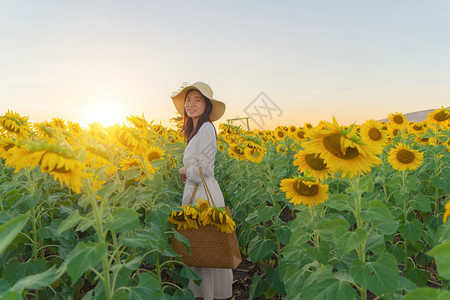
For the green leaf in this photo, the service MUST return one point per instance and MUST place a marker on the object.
(366, 184)
(321, 253)
(338, 202)
(347, 241)
(158, 218)
(83, 257)
(258, 287)
(379, 277)
(283, 235)
(441, 254)
(188, 273)
(68, 223)
(253, 218)
(11, 295)
(148, 288)
(40, 280)
(418, 276)
(132, 265)
(337, 290)
(259, 248)
(427, 293)
(377, 211)
(273, 279)
(441, 183)
(327, 227)
(266, 213)
(15, 270)
(443, 233)
(422, 203)
(123, 219)
(183, 240)
(10, 229)
(4, 286)
(412, 231)
(386, 228)
(107, 190)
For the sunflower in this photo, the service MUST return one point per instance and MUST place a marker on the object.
(13, 123)
(220, 146)
(373, 135)
(398, 120)
(341, 149)
(153, 153)
(308, 125)
(58, 123)
(185, 219)
(311, 163)
(299, 134)
(281, 148)
(130, 138)
(254, 155)
(393, 131)
(202, 205)
(304, 191)
(45, 131)
(7, 143)
(279, 134)
(292, 129)
(58, 160)
(402, 158)
(138, 122)
(425, 141)
(439, 116)
(416, 128)
(97, 157)
(237, 152)
(218, 217)
(447, 212)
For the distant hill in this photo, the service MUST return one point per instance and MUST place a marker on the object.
(417, 116)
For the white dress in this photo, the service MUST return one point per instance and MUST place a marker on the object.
(201, 151)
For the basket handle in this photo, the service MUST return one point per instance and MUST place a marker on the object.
(207, 192)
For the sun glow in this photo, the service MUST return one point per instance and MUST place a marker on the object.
(106, 112)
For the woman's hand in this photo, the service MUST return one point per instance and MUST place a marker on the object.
(182, 172)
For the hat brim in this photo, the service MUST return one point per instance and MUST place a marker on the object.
(218, 107)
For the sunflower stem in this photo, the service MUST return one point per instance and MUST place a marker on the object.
(405, 215)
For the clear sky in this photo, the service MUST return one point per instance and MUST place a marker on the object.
(90, 60)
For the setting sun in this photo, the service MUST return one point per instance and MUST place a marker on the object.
(106, 112)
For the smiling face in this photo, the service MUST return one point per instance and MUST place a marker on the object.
(194, 105)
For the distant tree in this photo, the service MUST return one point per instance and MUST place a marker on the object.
(177, 121)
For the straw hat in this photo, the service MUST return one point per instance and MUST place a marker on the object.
(218, 107)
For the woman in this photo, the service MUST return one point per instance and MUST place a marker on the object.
(199, 109)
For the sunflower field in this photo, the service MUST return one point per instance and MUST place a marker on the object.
(328, 211)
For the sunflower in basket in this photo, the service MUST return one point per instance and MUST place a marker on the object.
(187, 218)
(218, 217)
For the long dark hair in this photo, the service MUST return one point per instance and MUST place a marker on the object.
(188, 129)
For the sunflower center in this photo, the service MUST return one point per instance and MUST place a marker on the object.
(280, 134)
(179, 216)
(398, 119)
(300, 134)
(405, 156)
(395, 132)
(374, 134)
(441, 116)
(304, 190)
(417, 127)
(333, 144)
(315, 162)
(153, 155)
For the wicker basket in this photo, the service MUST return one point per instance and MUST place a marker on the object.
(209, 248)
